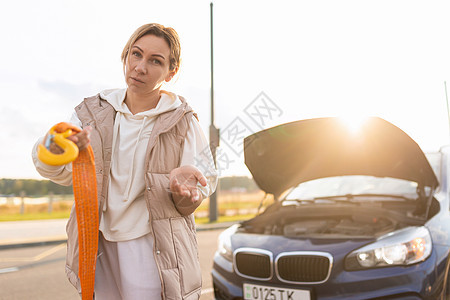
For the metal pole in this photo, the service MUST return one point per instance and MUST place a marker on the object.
(213, 131)
(22, 202)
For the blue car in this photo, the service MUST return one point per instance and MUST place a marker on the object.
(358, 214)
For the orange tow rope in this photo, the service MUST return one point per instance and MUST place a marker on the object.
(85, 194)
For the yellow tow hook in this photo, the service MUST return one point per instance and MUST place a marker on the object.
(58, 134)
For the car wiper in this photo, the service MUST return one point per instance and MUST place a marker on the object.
(316, 199)
(354, 197)
(388, 196)
(347, 197)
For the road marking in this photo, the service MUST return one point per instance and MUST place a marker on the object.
(9, 270)
(34, 258)
(35, 264)
(49, 252)
(207, 291)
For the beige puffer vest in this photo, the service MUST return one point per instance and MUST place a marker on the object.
(175, 247)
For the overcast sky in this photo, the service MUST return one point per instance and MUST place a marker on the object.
(275, 62)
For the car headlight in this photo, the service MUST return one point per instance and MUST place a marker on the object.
(403, 247)
(224, 241)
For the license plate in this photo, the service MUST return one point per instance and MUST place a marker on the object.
(263, 292)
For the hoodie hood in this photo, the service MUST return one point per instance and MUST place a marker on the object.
(284, 156)
(116, 97)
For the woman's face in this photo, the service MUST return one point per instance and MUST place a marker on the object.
(147, 65)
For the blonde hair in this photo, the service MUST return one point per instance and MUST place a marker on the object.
(169, 34)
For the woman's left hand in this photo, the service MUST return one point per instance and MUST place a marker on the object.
(183, 183)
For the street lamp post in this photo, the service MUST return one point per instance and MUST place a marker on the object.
(213, 131)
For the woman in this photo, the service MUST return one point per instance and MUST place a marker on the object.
(151, 160)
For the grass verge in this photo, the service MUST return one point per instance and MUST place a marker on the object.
(35, 216)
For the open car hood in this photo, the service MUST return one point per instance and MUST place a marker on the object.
(284, 156)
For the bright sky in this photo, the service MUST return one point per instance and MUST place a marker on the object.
(275, 62)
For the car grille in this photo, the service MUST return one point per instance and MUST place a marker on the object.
(256, 265)
(303, 268)
(290, 267)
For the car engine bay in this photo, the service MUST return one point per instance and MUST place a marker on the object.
(337, 220)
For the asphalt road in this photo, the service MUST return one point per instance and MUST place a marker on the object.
(38, 272)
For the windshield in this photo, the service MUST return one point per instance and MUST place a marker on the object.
(353, 185)
(357, 185)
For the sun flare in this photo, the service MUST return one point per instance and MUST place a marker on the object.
(354, 123)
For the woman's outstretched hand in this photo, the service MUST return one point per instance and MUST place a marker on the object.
(183, 184)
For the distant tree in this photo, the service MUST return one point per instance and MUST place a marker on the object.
(32, 187)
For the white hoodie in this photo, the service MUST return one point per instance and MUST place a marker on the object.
(125, 214)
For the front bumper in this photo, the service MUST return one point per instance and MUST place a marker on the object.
(417, 281)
